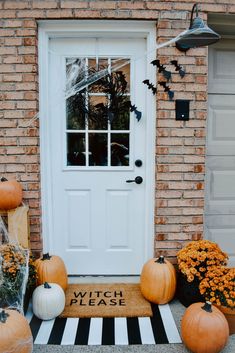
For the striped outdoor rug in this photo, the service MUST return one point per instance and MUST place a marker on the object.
(158, 329)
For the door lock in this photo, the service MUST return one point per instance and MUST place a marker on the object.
(137, 180)
(138, 163)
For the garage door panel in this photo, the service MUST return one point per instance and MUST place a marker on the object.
(221, 229)
(222, 68)
(221, 125)
(220, 159)
(220, 185)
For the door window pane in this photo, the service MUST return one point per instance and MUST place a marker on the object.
(98, 149)
(97, 115)
(75, 71)
(121, 120)
(125, 69)
(93, 67)
(119, 149)
(76, 154)
(76, 112)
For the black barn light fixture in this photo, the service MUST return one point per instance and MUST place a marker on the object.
(198, 34)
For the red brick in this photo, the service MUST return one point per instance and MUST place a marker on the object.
(14, 168)
(121, 14)
(87, 14)
(104, 4)
(6, 32)
(26, 32)
(8, 13)
(48, 4)
(16, 4)
(27, 50)
(11, 59)
(74, 4)
(29, 41)
(141, 14)
(59, 13)
(12, 23)
(7, 51)
(12, 78)
(130, 5)
(26, 105)
(29, 24)
(31, 14)
(173, 15)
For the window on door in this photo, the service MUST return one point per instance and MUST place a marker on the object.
(98, 124)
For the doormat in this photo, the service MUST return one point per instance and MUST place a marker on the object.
(157, 329)
(105, 300)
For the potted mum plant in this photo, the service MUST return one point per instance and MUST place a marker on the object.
(218, 287)
(194, 260)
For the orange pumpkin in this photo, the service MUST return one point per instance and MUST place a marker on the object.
(158, 280)
(204, 328)
(10, 194)
(51, 269)
(15, 333)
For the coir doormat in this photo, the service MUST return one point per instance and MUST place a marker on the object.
(105, 300)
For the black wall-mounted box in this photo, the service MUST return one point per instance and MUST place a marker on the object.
(182, 109)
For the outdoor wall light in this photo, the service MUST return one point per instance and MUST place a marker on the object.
(198, 34)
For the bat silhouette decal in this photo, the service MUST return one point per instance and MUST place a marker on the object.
(178, 68)
(150, 86)
(167, 89)
(162, 69)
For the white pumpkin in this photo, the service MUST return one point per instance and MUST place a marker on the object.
(48, 301)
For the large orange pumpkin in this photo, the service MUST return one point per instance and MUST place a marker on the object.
(158, 280)
(10, 194)
(51, 269)
(204, 328)
(15, 333)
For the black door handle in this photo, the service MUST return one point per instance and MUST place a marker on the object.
(137, 180)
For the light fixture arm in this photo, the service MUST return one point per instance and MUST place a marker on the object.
(192, 12)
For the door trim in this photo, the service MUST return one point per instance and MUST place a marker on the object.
(78, 28)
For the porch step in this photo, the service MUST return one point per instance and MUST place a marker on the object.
(103, 279)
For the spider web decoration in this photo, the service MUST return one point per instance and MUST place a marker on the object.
(117, 104)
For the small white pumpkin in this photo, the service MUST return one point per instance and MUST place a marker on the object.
(48, 301)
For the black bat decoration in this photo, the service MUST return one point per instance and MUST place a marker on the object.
(167, 89)
(162, 69)
(150, 86)
(138, 114)
(178, 68)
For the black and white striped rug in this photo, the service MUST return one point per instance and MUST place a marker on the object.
(158, 329)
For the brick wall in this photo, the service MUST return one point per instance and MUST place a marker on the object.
(180, 148)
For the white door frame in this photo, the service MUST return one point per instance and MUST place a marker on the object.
(77, 28)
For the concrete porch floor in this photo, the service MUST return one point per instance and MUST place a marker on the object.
(177, 310)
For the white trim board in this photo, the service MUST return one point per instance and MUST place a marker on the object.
(95, 28)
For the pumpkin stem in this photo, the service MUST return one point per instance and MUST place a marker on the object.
(160, 260)
(3, 179)
(46, 256)
(207, 307)
(3, 316)
(47, 285)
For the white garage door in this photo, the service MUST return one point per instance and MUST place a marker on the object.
(220, 162)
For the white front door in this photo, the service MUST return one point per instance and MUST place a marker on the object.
(99, 220)
(220, 160)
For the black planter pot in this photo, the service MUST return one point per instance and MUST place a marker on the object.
(188, 292)
(27, 297)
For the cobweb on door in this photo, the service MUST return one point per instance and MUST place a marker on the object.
(14, 270)
(79, 78)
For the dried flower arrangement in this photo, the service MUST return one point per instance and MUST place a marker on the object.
(218, 286)
(198, 257)
(16, 269)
